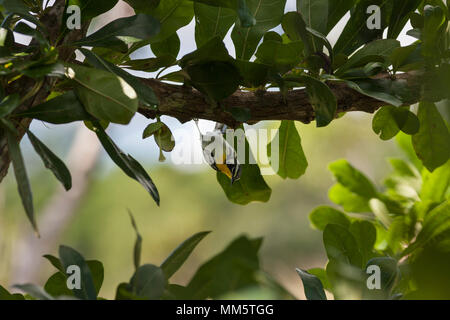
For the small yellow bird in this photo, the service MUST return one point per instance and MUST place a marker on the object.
(219, 154)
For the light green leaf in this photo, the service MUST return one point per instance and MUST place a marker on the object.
(104, 95)
(352, 179)
(365, 235)
(291, 158)
(322, 216)
(435, 185)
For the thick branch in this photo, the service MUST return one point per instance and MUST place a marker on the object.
(186, 103)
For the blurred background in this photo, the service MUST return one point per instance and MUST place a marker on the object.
(93, 216)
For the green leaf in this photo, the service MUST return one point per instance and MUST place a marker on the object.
(381, 211)
(163, 136)
(378, 49)
(211, 22)
(389, 273)
(104, 95)
(352, 179)
(172, 15)
(20, 173)
(253, 74)
(321, 98)
(389, 120)
(218, 80)
(312, 286)
(400, 16)
(434, 21)
(356, 33)
(9, 104)
(323, 216)
(123, 31)
(280, 56)
(322, 275)
(90, 8)
(56, 285)
(436, 223)
(54, 262)
(137, 245)
(34, 291)
(407, 58)
(143, 5)
(232, 269)
(351, 202)
(179, 256)
(145, 94)
(341, 245)
(14, 6)
(313, 14)
(127, 163)
(435, 184)
(365, 235)
(336, 10)
(432, 142)
(268, 14)
(64, 108)
(5, 295)
(212, 51)
(297, 30)
(170, 46)
(51, 161)
(239, 6)
(291, 158)
(148, 282)
(69, 257)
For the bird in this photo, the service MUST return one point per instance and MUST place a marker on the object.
(218, 153)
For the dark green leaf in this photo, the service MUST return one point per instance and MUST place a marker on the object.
(389, 120)
(312, 286)
(137, 244)
(365, 235)
(389, 273)
(279, 56)
(432, 142)
(268, 14)
(51, 161)
(177, 258)
(232, 269)
(127, 163)
(9, 104)
(20, 172)
(70, 257)
(341, 245)
(123, 31)
(90, 8)
(211, 22)
(64, 108)
(170, 46)
(400, 16)
(148, 282)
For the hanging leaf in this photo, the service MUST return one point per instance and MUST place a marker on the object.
(20, 173)
(137, 244)
(51, 161)
(389, 120)
(291, 158)
(127, 163)
(62, 109)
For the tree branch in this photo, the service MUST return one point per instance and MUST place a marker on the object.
(186, 103)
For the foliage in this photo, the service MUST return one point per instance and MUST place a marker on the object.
(100, 91)
(404, 230)
(236, 267)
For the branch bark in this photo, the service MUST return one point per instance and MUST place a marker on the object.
(186, 103)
